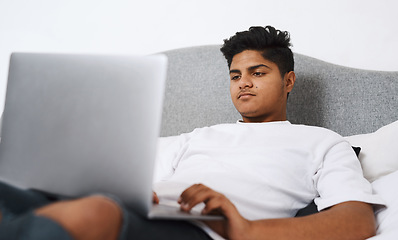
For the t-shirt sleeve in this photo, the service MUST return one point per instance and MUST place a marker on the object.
(168, 151)
(340, 179)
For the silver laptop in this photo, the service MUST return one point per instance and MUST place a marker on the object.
(80, 124)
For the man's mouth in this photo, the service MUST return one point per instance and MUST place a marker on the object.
(245, 95)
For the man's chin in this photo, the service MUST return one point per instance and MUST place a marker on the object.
(249, 115)
(248, 112)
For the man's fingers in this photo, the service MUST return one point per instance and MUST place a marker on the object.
(155, 198)
(215, 203)
(194, 195)
(218, 204)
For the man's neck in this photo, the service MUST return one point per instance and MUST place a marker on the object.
(263, 119)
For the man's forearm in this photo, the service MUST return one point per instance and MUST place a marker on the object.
(349, 220)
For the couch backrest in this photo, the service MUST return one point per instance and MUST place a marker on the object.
(346, 100)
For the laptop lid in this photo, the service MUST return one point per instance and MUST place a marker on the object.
(82, 124)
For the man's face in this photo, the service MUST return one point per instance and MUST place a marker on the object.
(258, 90)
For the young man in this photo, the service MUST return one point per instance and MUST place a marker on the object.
(257, 173)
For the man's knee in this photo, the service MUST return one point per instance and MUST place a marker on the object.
(94, 215)
(97, 209)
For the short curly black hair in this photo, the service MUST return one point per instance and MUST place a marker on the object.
(273, 44)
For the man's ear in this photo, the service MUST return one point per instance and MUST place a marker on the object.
(290, 79)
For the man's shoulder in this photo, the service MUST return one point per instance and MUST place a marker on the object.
(323, 130)
(316, 130)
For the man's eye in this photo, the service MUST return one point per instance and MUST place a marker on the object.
(235, 77)
(258, 74)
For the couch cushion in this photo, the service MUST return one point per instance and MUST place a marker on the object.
(346, 100)
(379, 154)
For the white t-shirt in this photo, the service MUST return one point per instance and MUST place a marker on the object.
(268, 170)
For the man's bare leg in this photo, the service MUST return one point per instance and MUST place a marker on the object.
(94, 217)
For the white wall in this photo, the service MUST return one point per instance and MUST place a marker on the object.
(356, 33)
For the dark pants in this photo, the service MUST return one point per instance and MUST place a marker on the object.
(19, 222)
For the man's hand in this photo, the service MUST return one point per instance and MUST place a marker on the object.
(233, 227)
(155, 198)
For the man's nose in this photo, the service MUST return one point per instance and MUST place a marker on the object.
(245, 82)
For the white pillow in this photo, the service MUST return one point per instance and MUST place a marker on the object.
(387, 218)
(379, 151)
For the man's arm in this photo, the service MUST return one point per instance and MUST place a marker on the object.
(348, 220)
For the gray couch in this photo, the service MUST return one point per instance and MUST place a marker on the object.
(346, 100)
